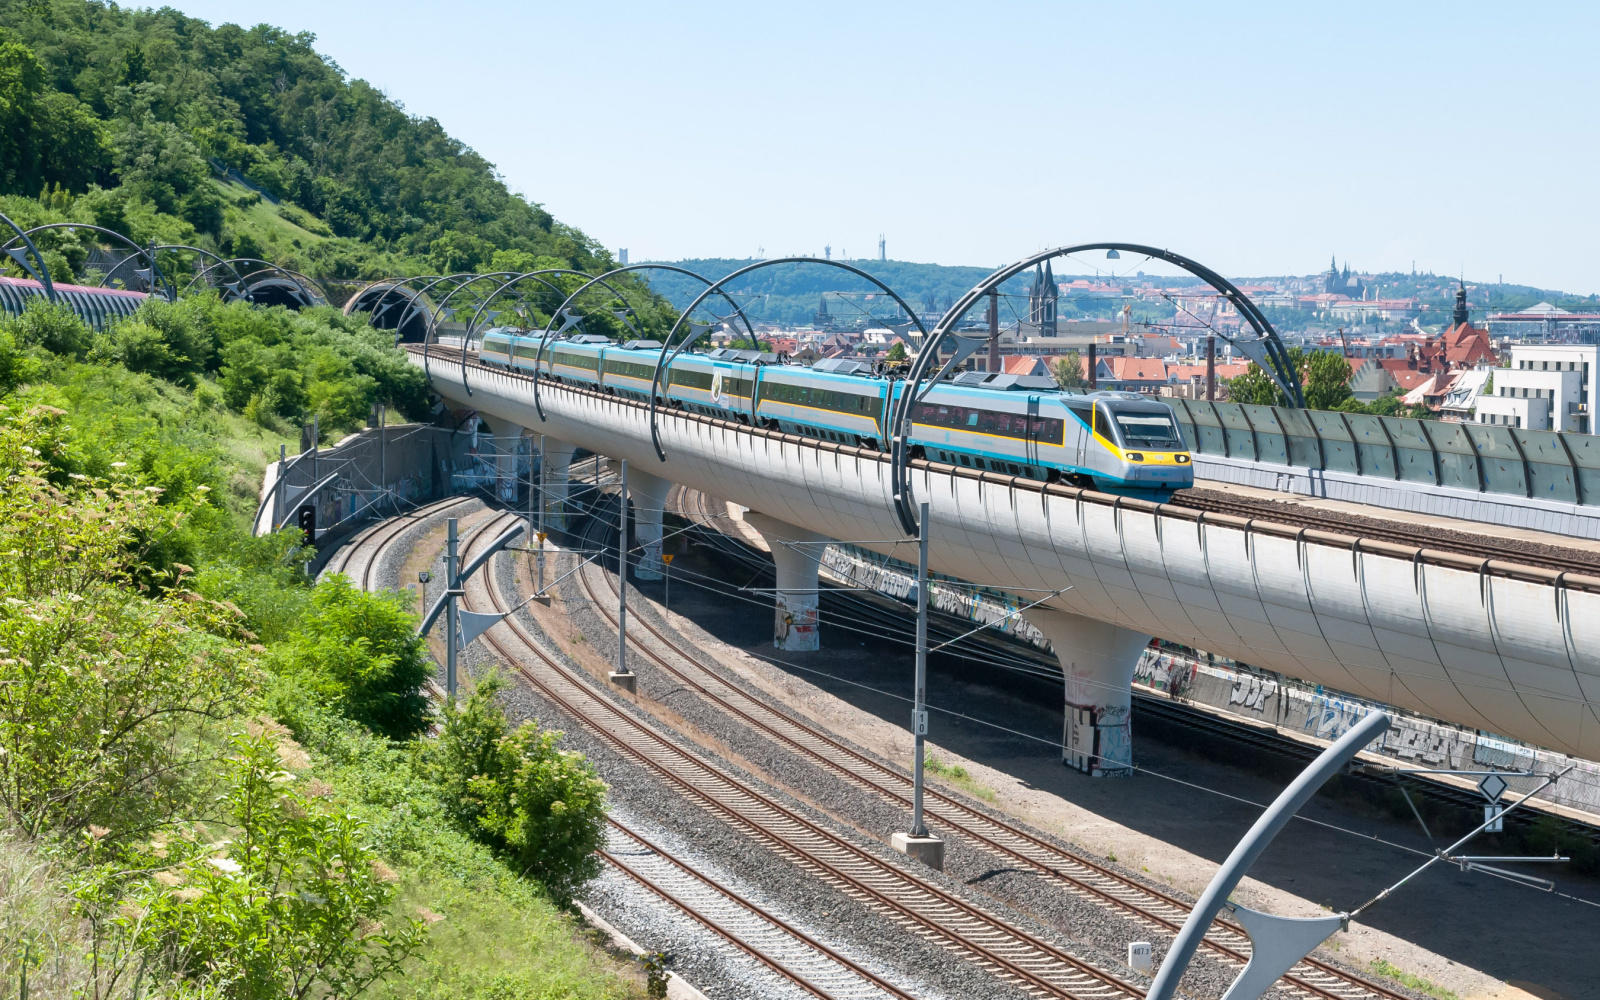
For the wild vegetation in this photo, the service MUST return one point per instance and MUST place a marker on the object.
(216, 777)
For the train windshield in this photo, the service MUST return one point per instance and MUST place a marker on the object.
(1153, 429)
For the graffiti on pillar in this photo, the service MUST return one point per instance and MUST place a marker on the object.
(795, 624)
(1114, 736)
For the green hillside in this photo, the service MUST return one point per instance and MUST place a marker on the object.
(115, 114)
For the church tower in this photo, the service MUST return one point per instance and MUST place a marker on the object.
(1460, 316)
(1042, 298)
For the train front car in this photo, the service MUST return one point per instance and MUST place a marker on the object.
(1135, 447)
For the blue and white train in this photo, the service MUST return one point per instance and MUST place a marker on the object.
(1017, 425)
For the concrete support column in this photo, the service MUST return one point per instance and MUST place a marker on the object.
(794, 622)
(1097, 659)
(507, 441)
(649, 496)
(557, 482)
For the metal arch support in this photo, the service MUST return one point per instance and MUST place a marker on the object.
(307, 284)
(536, 276)
(391, 285)
(42, 270)
(1278, 368)
(539, 357)
(665, 361)
(428, 327)
(157, 279)
(433, 315)
(199, 250)
(1280, 936)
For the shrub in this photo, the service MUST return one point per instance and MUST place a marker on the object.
(52, 326)
(516, 790)
(100, 689)
(359, 653)
(293, 904)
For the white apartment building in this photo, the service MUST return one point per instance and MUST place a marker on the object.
(1546, 387)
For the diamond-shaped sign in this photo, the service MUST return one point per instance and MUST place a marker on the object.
(1492, 786)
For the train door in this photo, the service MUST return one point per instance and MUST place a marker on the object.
(1032, 437)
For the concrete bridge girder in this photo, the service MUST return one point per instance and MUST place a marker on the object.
(1513, 657)
(797, 554)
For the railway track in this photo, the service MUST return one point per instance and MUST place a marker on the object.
(1079, 875)
(776, 943)
(765, 937)
(916, 903)
(359, 558)
(1419, 536)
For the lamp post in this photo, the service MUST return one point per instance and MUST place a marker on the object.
(918, 843)
(451, 563)
(623, 677)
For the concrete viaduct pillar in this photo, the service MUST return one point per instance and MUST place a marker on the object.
(507, 440)
(649, 495)
(557, 482)
(1097, 659)
(794, 624)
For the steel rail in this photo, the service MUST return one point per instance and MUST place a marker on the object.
(830, 757)
(771, 918)
(1482, 546)
(736, 801)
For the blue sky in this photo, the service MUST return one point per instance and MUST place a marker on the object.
(1257, 138)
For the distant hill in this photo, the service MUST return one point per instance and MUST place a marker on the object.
(788, 294)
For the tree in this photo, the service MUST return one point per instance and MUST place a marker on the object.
(1326, 379)
(897, 352)
(1068, 371)
(1254, 387)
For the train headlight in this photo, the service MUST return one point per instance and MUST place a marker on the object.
(1135, 456)
(1182, 459)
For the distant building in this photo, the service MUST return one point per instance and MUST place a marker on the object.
(1457, 396)
(1043, 295)
(1375, 378)
(822, 319)
(1025, 364)
(1545, 387)
(1365, 310)
(1346, 284)
(1548, 324)
(622, 257)
(1130, 374)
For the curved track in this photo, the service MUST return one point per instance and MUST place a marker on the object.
(779, 945)
(903, 895)
(1076, 873)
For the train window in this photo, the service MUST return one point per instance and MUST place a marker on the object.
(588, 361)
(526, 350)
(631, 369)
(691, 379)
(1154, 430)
(827, 399)
(1045, 430)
